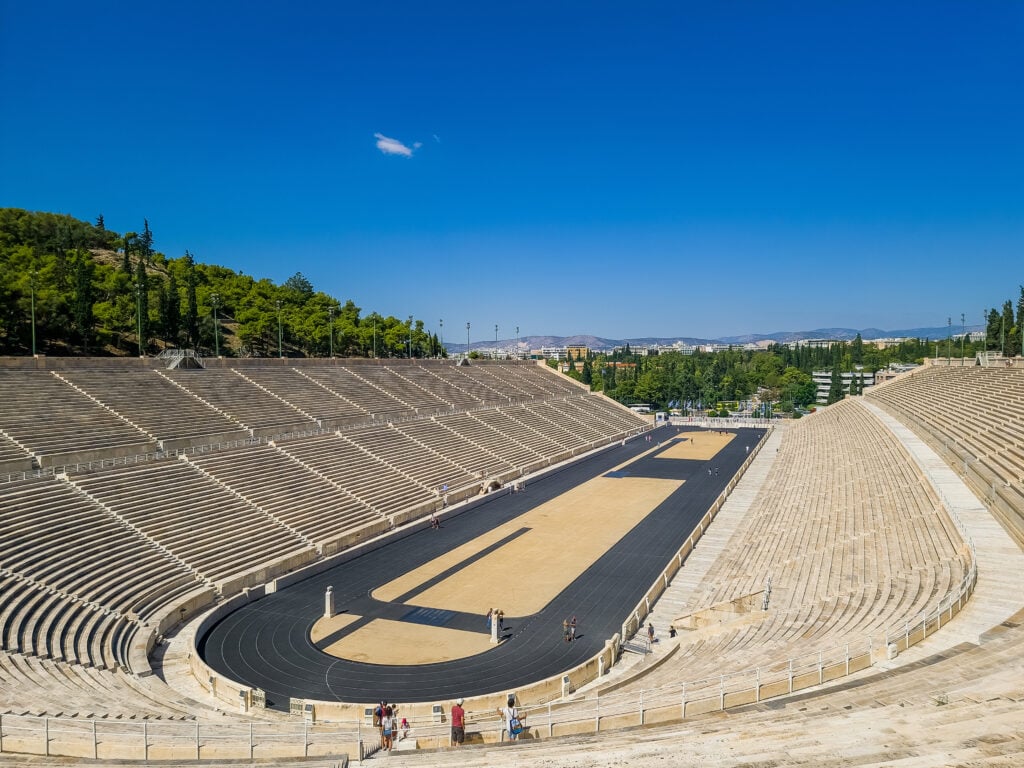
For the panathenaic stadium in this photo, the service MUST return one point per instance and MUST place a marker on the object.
(232, 563)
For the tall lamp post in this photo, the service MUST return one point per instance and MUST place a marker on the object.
(330, 325)
(410, 336)
(32, 290)
(495, 341)
(963, 333)
(280, 346)
(138, 313)
(517, 342)
(375, 335)
(215, 301)
(949, 342)
(440, 352)
(467, 339)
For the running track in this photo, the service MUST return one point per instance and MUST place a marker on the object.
(266, 644)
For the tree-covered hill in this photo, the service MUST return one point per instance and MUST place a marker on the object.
(82, 289)
(68, 287)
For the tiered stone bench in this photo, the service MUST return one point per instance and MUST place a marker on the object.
(305, 501)
(853, 538)
(60, 425)
(196, 519)
(241, 400)
(153, 404)
(974, 416)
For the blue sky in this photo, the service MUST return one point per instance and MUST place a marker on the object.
(677, 169)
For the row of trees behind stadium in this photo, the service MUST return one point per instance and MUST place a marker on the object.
(70, 287)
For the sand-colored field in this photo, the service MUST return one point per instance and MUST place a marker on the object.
(326, 627)
(561, 539)
(696, 446)
(383, 641)
(518, 567)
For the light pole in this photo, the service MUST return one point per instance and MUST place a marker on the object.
(410, 337)
(949, 342)
(215, 300)
(517, 342)
(138, 313)
(963, 333)
(440, 352)
(467, 339)
(280, 346)
(330, 321)
(495, 341)
(32, 289)
(375, 336)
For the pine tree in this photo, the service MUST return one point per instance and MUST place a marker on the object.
(84, 297)
(1019, 327)
(170, 311)
(1007, 338)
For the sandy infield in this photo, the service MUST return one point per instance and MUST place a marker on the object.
(696, 446)
(530, 561)
(556, 542)
(383, 641)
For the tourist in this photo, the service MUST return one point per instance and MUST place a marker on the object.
(458, 724)
(387, 729)
(510, 714)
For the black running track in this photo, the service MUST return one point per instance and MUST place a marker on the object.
(266, 644)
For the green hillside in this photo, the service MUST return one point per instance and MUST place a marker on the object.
(93, 291)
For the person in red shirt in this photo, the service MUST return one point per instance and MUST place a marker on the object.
(458, 724)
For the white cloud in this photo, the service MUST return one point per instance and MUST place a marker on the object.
(391, 146)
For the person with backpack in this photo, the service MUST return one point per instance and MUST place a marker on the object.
(513, 721)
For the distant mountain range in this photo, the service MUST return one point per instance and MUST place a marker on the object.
(596, 342)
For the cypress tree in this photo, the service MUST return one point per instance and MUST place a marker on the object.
(146, 243)
(84, 297)
(170, 311)
(126, 260)
(192, 304)
(835, 392)
(142, 287)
